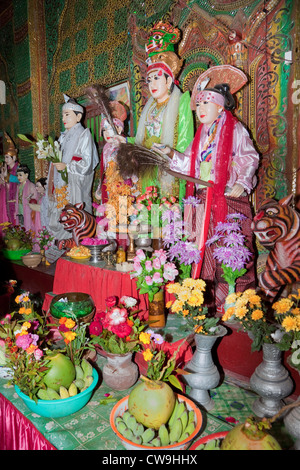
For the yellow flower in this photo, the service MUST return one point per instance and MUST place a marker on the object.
(240, 312)
(231, 298)
(26, 299)
(257, 314)
(228, 314)
(69, 323)
(185, 313)
(255, 300)
(177, 306)
(200, 317)
(169, 304)
(290, 324)
(183, 295)
(147, 355)
(296, 311)
(282, 306)
(17, 299)
(145, 338)
(22, 310)
(69, 336)
(198, 329)
(28, 311)
(196, 299)
(26, 325)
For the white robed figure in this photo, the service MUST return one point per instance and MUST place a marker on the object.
(79, 158)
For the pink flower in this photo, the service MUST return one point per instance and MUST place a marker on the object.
(157, 278)
(38, 353)
(170, 271)
(111, 301)
(156, 263)
(99, 316)
(149, 280)
(140, 255)
(161, 255)
(24, 341)
(148, 265)
(116, 316)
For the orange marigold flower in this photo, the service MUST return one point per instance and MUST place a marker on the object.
(62, 320)
(69, 336)
(22, 310)
(69, 323)
(31, 349)
(169, 304)
(147, 355)
(257, 315)
(28, 311)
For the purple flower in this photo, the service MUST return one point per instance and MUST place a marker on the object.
(192, 200)
(185, 252)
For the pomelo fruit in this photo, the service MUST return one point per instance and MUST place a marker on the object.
(61, 372)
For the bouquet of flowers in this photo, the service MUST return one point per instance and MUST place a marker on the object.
(287, 313)
(249, 310)
(26, 345)
(117, 330)
(231, 250)
(180, 250)
(160, 364)
(189, 305)
(75, 337)
(15, 237)
(44, 238)
(151, 207)
(152, 271)
(23, 340)
(47, 150)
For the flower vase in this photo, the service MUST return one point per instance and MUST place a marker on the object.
(120, 372)
(271, 381)
(204, 374)
(43, 260)
(157, 318)
(292, 424)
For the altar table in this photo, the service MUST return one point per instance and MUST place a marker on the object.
(98, 282)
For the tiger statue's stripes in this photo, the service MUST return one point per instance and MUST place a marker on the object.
(76, 220)
(277, 227)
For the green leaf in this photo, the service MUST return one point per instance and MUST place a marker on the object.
(175, 382)
(23, 137)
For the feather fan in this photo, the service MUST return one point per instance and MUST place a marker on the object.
(98, 96)
(133, 159)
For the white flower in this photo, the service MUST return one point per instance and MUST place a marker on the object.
(128, 301)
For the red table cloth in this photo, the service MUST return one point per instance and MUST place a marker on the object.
(99, 283)
(17, 432)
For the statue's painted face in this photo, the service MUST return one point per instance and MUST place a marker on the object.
(159, 85)
(40, 188)
(10, 160)
(207, 111)
(22, 177)
(70, 118)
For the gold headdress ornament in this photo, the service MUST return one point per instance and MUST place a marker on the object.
(216, 75)
(11, 150)
(160, 49)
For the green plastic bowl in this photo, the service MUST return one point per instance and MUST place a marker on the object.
(14, 254)
(62, 407)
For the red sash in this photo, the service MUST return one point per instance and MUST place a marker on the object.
(223, 161)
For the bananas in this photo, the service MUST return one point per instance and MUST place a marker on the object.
(83, 380)
(179, 427)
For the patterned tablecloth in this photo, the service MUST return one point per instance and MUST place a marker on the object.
(89, 428)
